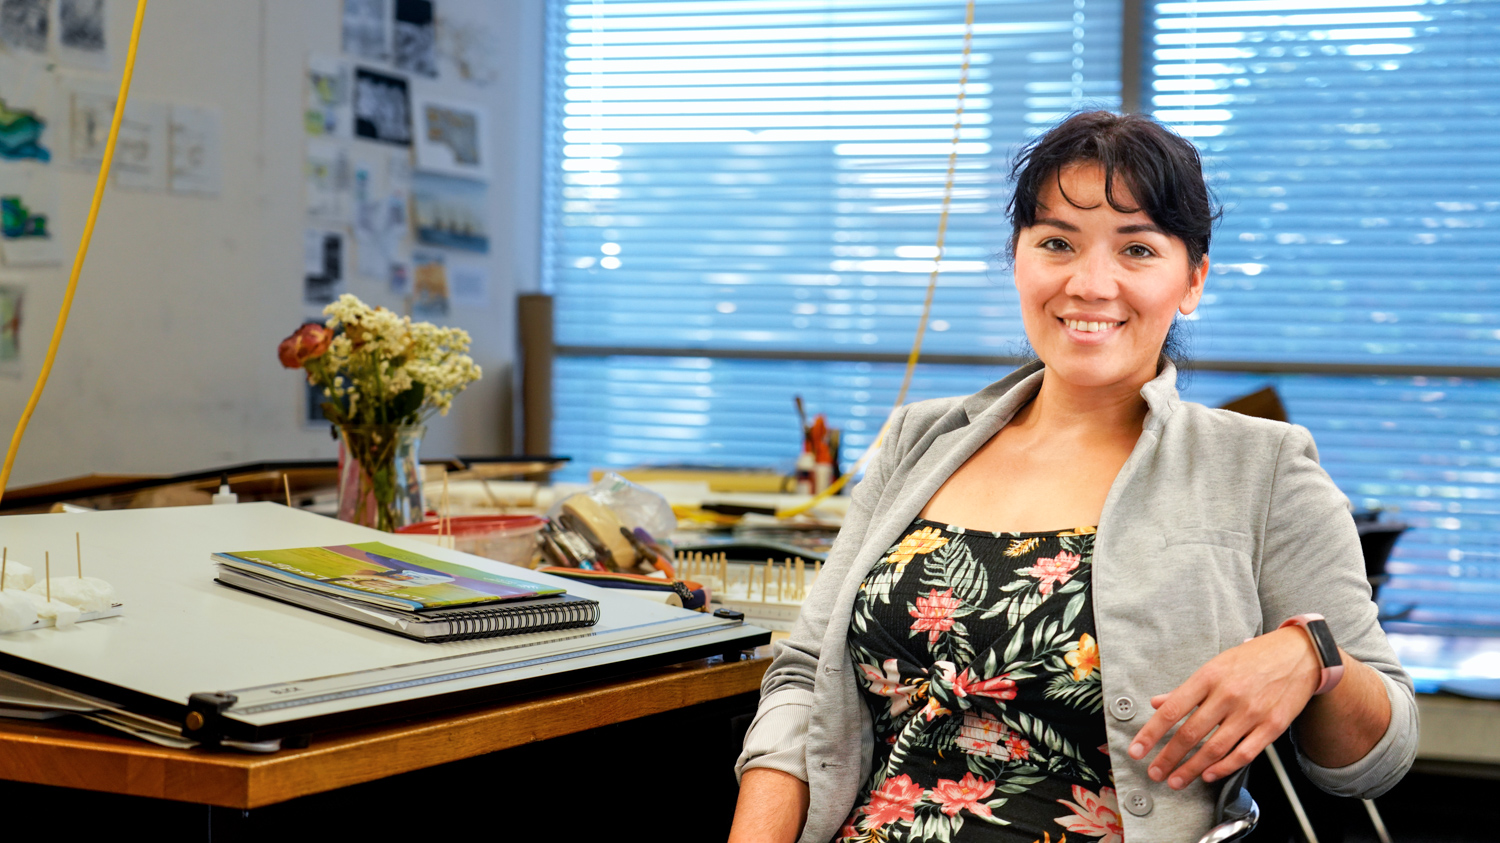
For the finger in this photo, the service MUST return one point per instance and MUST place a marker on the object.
(1197, 727)
(1218, 745)
(1249, 746)
(1173, 708)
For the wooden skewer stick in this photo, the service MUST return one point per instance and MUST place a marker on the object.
(780, 583)
(47, 555)
(78, 545)
(765, 582)
(287, 485)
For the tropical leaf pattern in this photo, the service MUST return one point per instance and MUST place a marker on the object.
(977, 656)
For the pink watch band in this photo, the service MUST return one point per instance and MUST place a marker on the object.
(1329, 675)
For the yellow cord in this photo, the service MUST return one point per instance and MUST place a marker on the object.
(83, 249)
(916, 349)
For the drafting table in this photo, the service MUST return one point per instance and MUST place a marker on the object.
(252, 669)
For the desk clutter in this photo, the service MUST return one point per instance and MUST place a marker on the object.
(59, 602)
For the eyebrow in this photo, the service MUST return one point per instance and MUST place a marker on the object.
(1055, 223)
(1124, 229)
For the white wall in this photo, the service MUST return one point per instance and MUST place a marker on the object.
(169, 360)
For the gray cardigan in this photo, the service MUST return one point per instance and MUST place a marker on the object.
(1218, 527)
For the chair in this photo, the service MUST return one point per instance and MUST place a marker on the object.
(1235, 813)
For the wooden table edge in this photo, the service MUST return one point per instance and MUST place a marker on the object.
(50, 755)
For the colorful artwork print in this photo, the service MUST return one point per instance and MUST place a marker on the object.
(23, 24)
(28, 203)
(327, 110)
(450, 212)
(21, 134)
(451, 138)
(382, 108)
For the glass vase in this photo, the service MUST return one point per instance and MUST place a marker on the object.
(380, 478)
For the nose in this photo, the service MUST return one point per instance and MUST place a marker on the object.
(1093, 277)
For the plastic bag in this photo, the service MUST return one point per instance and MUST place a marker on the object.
(635, 505)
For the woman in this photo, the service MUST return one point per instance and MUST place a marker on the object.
(1035, 585)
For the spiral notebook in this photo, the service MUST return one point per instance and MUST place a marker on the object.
(560, 611)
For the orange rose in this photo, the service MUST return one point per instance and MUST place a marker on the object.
(306, 343)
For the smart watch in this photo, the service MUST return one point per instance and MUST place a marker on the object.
(1316, 628)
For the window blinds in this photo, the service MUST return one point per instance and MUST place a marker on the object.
(1353, 145)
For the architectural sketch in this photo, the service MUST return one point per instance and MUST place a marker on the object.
(141, 152)
(451, 138)
(414, 38)
(365, 29)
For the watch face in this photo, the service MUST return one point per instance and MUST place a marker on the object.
(1323, 640)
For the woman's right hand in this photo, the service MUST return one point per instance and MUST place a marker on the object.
(771, 809)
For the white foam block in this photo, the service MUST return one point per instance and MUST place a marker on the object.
(17, 611)
(62, 614)
(88, 594)
(18, 576)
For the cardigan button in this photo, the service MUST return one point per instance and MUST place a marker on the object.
(1138, 802)
(1123, 708)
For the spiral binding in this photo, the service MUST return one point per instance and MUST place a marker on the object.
(498, 621)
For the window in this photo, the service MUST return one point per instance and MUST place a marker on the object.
(732, 177)
(743, 199)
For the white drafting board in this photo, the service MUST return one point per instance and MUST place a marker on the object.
(293, 670)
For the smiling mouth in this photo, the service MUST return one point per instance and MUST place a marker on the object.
(1089, 327)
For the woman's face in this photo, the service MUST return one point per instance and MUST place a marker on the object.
(1099, 288)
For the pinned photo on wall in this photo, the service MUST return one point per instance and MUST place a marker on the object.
(327, 180)
(141, 150)
(451, 137)
(22, 132)
(429, 293)
(83, 33)
(193, 150)
(328, 112)
(450, 212)
(364, 29)
(24, 24)
(11, 299)
(28, 212)
(382, 107)
(414, 37)
(322, 265)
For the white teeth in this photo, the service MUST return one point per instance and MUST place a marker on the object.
(1090, 327)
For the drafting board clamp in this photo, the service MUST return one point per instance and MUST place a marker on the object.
(228, 665)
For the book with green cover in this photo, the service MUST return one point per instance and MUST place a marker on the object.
(382, 575)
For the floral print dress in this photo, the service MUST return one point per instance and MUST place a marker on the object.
(977, 657)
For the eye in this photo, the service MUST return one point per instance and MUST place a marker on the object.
(1137, 250)
(1055, 244)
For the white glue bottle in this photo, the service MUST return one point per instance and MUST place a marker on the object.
(224, 495)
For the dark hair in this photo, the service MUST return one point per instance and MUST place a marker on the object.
(1161, 170)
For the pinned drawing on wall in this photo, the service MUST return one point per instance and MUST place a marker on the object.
(91, 107)
(451, 138)
(82, 33)
(450, 212)
(21, 131)
(414, 37)
(193, 150)
(326, 175)
(381, 192)
(429, 294)
(382, 107)
(141, 151)
(24, 24)
(328, 111)
(11, 299)
(322, 265)
(364, 29)
(469, 284)
(28, 210)
(466, 48)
